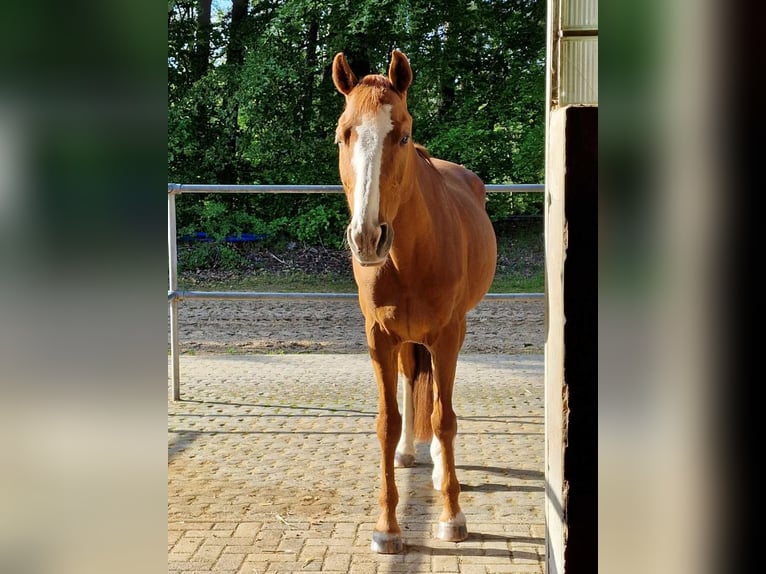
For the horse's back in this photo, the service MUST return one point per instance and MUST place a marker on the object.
(460, 179)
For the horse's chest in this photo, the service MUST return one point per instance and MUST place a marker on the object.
(411, 320)
(410, 310)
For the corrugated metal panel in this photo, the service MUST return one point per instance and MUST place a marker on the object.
(579, 14)
(579, 71)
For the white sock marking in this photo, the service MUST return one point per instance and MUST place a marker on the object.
(436, 456)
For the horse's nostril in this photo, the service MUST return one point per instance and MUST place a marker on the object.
(384, 243)
(383, 231)
(374, 244)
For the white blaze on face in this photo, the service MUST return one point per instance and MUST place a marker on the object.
(366, 159)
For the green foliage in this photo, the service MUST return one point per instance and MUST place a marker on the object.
(477, 99)
(217, 255)
(310, 221)
(217, 219)
(321, 225)
(502, 206)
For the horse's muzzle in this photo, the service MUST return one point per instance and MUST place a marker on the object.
(370, 247)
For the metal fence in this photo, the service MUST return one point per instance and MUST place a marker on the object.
(175, 296)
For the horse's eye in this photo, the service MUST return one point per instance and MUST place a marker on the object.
(404, 140)
(342, 137)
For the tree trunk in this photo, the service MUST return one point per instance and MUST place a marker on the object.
(311, 71)
(235, 52)
(447, 75)
(201, 56)
(235, 57)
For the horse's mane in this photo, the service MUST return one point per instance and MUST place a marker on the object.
(423, 152)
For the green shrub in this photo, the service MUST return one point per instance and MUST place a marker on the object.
(321, 225)
(314, 223)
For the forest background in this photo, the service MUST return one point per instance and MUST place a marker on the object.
(251, 101)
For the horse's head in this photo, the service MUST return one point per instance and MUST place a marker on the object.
(373, 138)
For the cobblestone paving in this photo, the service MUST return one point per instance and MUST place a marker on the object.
(273, 467)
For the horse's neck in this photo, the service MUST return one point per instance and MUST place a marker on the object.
(415, 231)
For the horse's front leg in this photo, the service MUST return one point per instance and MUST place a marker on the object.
(387, 536)
(452, 523)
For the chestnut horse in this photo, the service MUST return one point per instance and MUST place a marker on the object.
(424, 254)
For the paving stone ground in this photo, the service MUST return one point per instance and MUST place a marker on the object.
(273, 466)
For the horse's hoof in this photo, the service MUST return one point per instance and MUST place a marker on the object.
(386, 543)
(454, 530)
(404, 460)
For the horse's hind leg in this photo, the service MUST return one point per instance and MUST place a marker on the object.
(452, 523)
(405, 450)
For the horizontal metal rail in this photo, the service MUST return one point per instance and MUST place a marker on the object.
(258, 295)
(178, 188)
(175, 295)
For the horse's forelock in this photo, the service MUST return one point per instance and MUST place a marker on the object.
(372, 92)
(377, 81)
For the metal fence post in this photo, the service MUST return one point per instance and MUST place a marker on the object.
(173, 288)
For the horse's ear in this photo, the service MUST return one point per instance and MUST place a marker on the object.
(342, 76)
(399, 72)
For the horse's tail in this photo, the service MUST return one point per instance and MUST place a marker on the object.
(423, 393)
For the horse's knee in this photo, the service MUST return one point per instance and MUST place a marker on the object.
(444, 424)
(389, 426)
